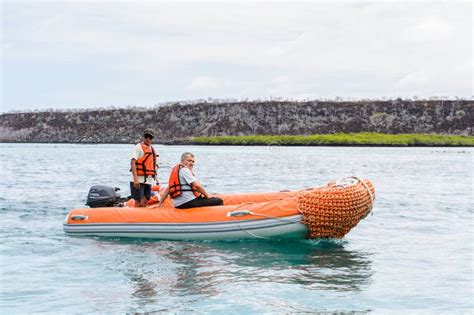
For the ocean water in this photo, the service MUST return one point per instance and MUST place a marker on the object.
(413, 254)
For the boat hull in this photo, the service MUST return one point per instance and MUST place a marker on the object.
(329, 211)
(272, 228)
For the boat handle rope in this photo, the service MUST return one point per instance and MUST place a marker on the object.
(248, 232)
(368, 190)
(247, 212)
(240, 213)
(360, 181)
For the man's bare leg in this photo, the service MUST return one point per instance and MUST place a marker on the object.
(144, 201)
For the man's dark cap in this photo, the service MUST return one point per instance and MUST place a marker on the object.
(149, 131)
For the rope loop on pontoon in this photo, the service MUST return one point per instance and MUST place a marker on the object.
(331, 211)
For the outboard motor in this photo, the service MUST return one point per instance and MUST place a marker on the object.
(104, 196)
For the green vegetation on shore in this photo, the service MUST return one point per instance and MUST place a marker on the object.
(343, 139)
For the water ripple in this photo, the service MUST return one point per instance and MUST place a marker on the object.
(415, 253)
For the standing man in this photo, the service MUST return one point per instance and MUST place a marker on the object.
(143, 166)
(185, 190)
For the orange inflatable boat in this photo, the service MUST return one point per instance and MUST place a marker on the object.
(330, 211)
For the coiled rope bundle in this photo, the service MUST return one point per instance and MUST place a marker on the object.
(333, 210)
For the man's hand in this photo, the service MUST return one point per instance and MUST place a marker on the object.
(198, 186)
(136, 183)
(162, 200)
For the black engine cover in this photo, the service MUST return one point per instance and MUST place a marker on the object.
(103, 196)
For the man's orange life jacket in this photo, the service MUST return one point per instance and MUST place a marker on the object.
(146, 165)
(175, 186)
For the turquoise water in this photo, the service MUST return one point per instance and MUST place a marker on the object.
(415, 253)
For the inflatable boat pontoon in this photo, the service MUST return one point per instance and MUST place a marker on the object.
(329, 211)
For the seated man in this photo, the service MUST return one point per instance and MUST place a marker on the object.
(184, 189)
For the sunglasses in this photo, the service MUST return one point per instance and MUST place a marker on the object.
(148, 137)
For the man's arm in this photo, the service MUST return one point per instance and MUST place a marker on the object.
(163, 196)
(197, 186)
(193, 182)
(137, 152)
(133, 167)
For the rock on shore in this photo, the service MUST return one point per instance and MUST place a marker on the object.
(180, 121)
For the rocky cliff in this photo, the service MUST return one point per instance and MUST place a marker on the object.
(179, 121)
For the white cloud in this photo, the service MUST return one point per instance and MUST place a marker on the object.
(413, 79)
(160, 50)
(430, 29)
(204, 84)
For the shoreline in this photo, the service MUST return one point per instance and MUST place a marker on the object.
(366, 139)
(318, 140)
(261, 145)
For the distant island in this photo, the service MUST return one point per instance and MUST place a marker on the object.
(404, 122)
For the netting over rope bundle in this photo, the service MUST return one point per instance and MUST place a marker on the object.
(333, 210)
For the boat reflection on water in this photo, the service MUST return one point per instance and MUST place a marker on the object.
(322, 265)
(157, 270)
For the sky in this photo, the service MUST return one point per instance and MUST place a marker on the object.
(88, 54)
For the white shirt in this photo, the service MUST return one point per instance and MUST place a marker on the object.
(186, 178)
(137, 152)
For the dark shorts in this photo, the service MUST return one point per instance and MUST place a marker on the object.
(144, 190)
(202, 202)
